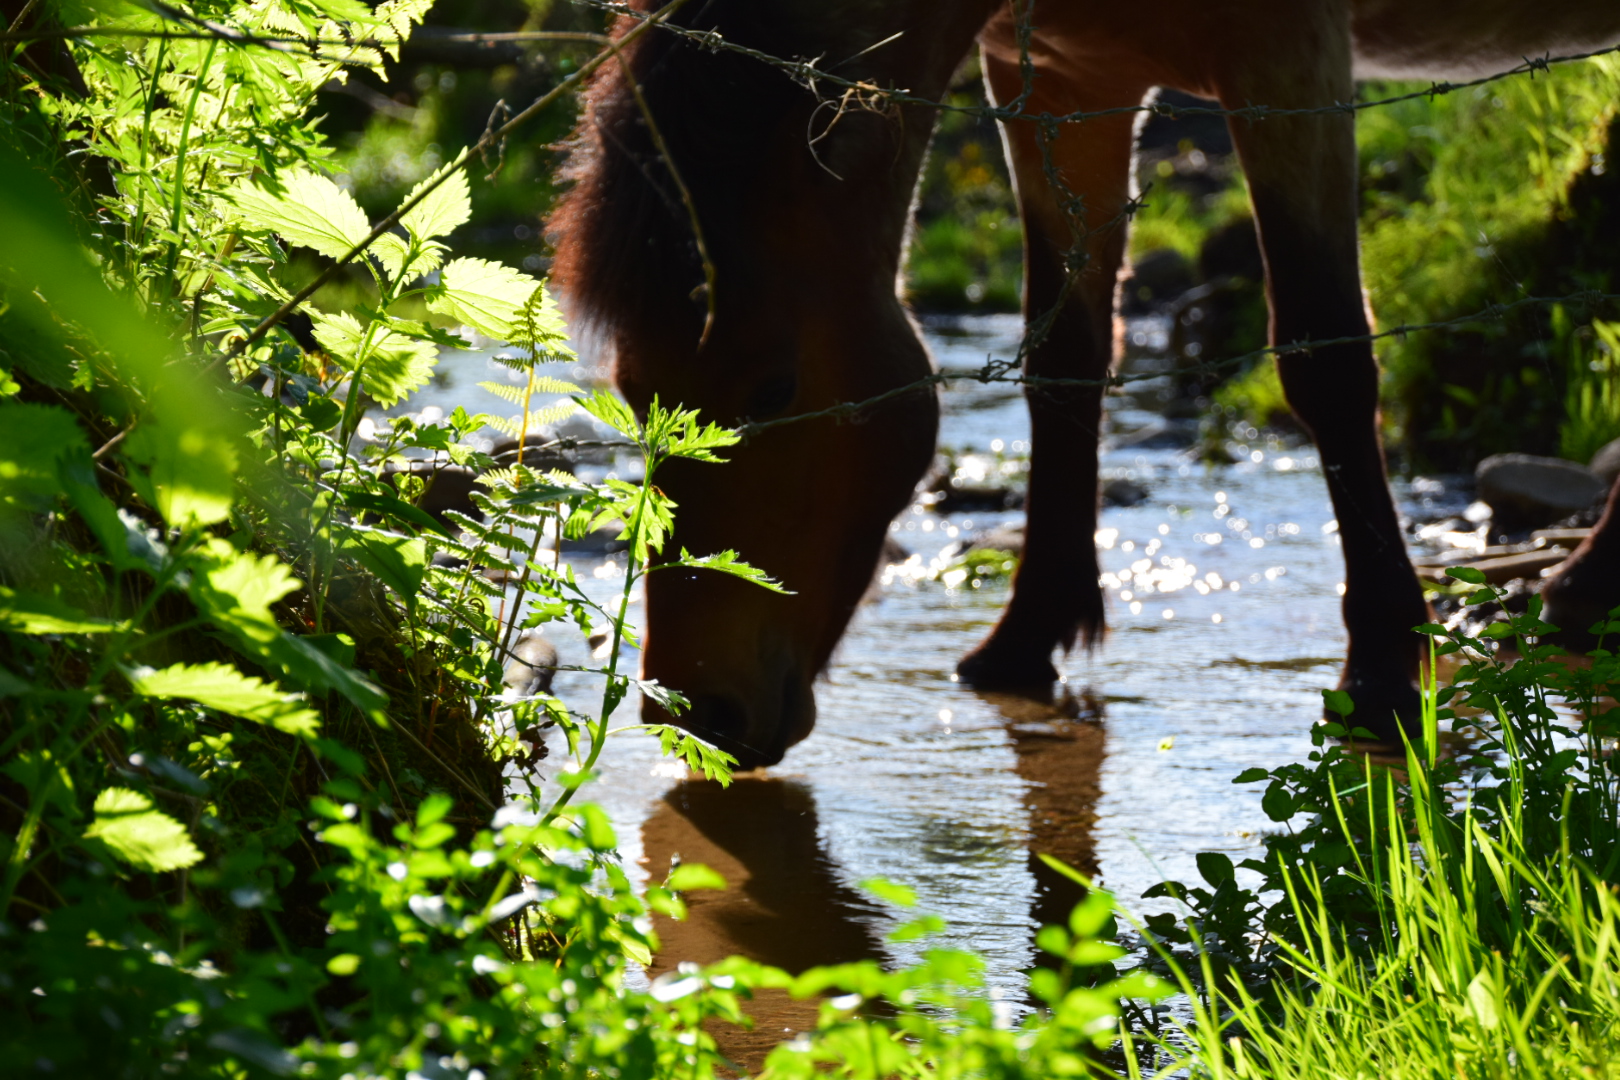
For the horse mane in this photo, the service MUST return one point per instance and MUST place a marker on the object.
(627, 263)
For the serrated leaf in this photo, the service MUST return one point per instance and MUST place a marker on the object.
(392, 364)
(727, 562)
(392, 252)
(140, 834)
(309, 210)
(447, 206)
(486, 296)
(611, 411)
(220, 686)
(31, 613)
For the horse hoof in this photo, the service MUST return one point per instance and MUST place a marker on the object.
(1386, 707)
(1010, 670)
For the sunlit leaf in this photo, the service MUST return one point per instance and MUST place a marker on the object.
(484, 295)
(139, 834)
(220, 686)
(309, 210)
(30, 613)
(447, 206)
(690, 876)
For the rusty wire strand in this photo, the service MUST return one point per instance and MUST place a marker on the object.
(807, 72)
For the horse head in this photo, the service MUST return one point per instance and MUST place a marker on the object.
(795, 207)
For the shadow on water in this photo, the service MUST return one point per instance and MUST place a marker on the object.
(787, 902)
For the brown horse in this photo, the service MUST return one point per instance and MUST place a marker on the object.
(802, 194)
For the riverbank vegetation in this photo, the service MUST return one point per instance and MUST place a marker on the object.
(268, 796)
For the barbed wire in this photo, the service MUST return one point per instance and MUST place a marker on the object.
(996, 371)
(810, 72)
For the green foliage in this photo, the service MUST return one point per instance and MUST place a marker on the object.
(1481, 197)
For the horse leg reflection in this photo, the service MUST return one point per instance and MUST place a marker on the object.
(1060, 745)
(784, 904)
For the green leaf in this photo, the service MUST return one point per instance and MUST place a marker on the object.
(1338, 701)
(1466, 573)
(484, 295)
(596, 829)
(1249, 776)
(726, 562)
(883, 889)
(392, 364)
(144, 837)
(33, 439)
(689, 876)
(399, 561)
(236, 591)
(220, 686)
(1215, 868)
(344, 964)
(447, 206)
(1277, 802)
(309, 210)
(31, 613)
(396, 508)
(613, 412)
(190, 461)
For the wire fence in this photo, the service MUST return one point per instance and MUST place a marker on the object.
(818, 76)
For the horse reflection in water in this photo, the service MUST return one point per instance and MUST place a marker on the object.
(787, 904)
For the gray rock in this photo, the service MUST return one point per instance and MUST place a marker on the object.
(1000, 538)
(1606, 462)
(533, 663)
(1156, 278)
(1123, 493)
(1525, 491)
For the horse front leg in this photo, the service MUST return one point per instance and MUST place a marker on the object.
(1302, 180)
(1072, 186)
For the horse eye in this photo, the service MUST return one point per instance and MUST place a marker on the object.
(771, 396)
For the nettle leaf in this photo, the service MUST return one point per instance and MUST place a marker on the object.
(484, 295)
(309, 210)
(393, 252)
(140, 834)
(222, 687)
(726, 562)
(447, 206)
(30, 613)
(392, 364)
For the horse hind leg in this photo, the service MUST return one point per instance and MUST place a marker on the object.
(1302, 180)
(1074, 242)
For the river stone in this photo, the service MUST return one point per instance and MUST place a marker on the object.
(533, 663)
(1525, 491)
(1123, 492)
(1606, 462)
(1157, 277)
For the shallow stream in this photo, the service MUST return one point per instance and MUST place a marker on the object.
(1224, 598)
